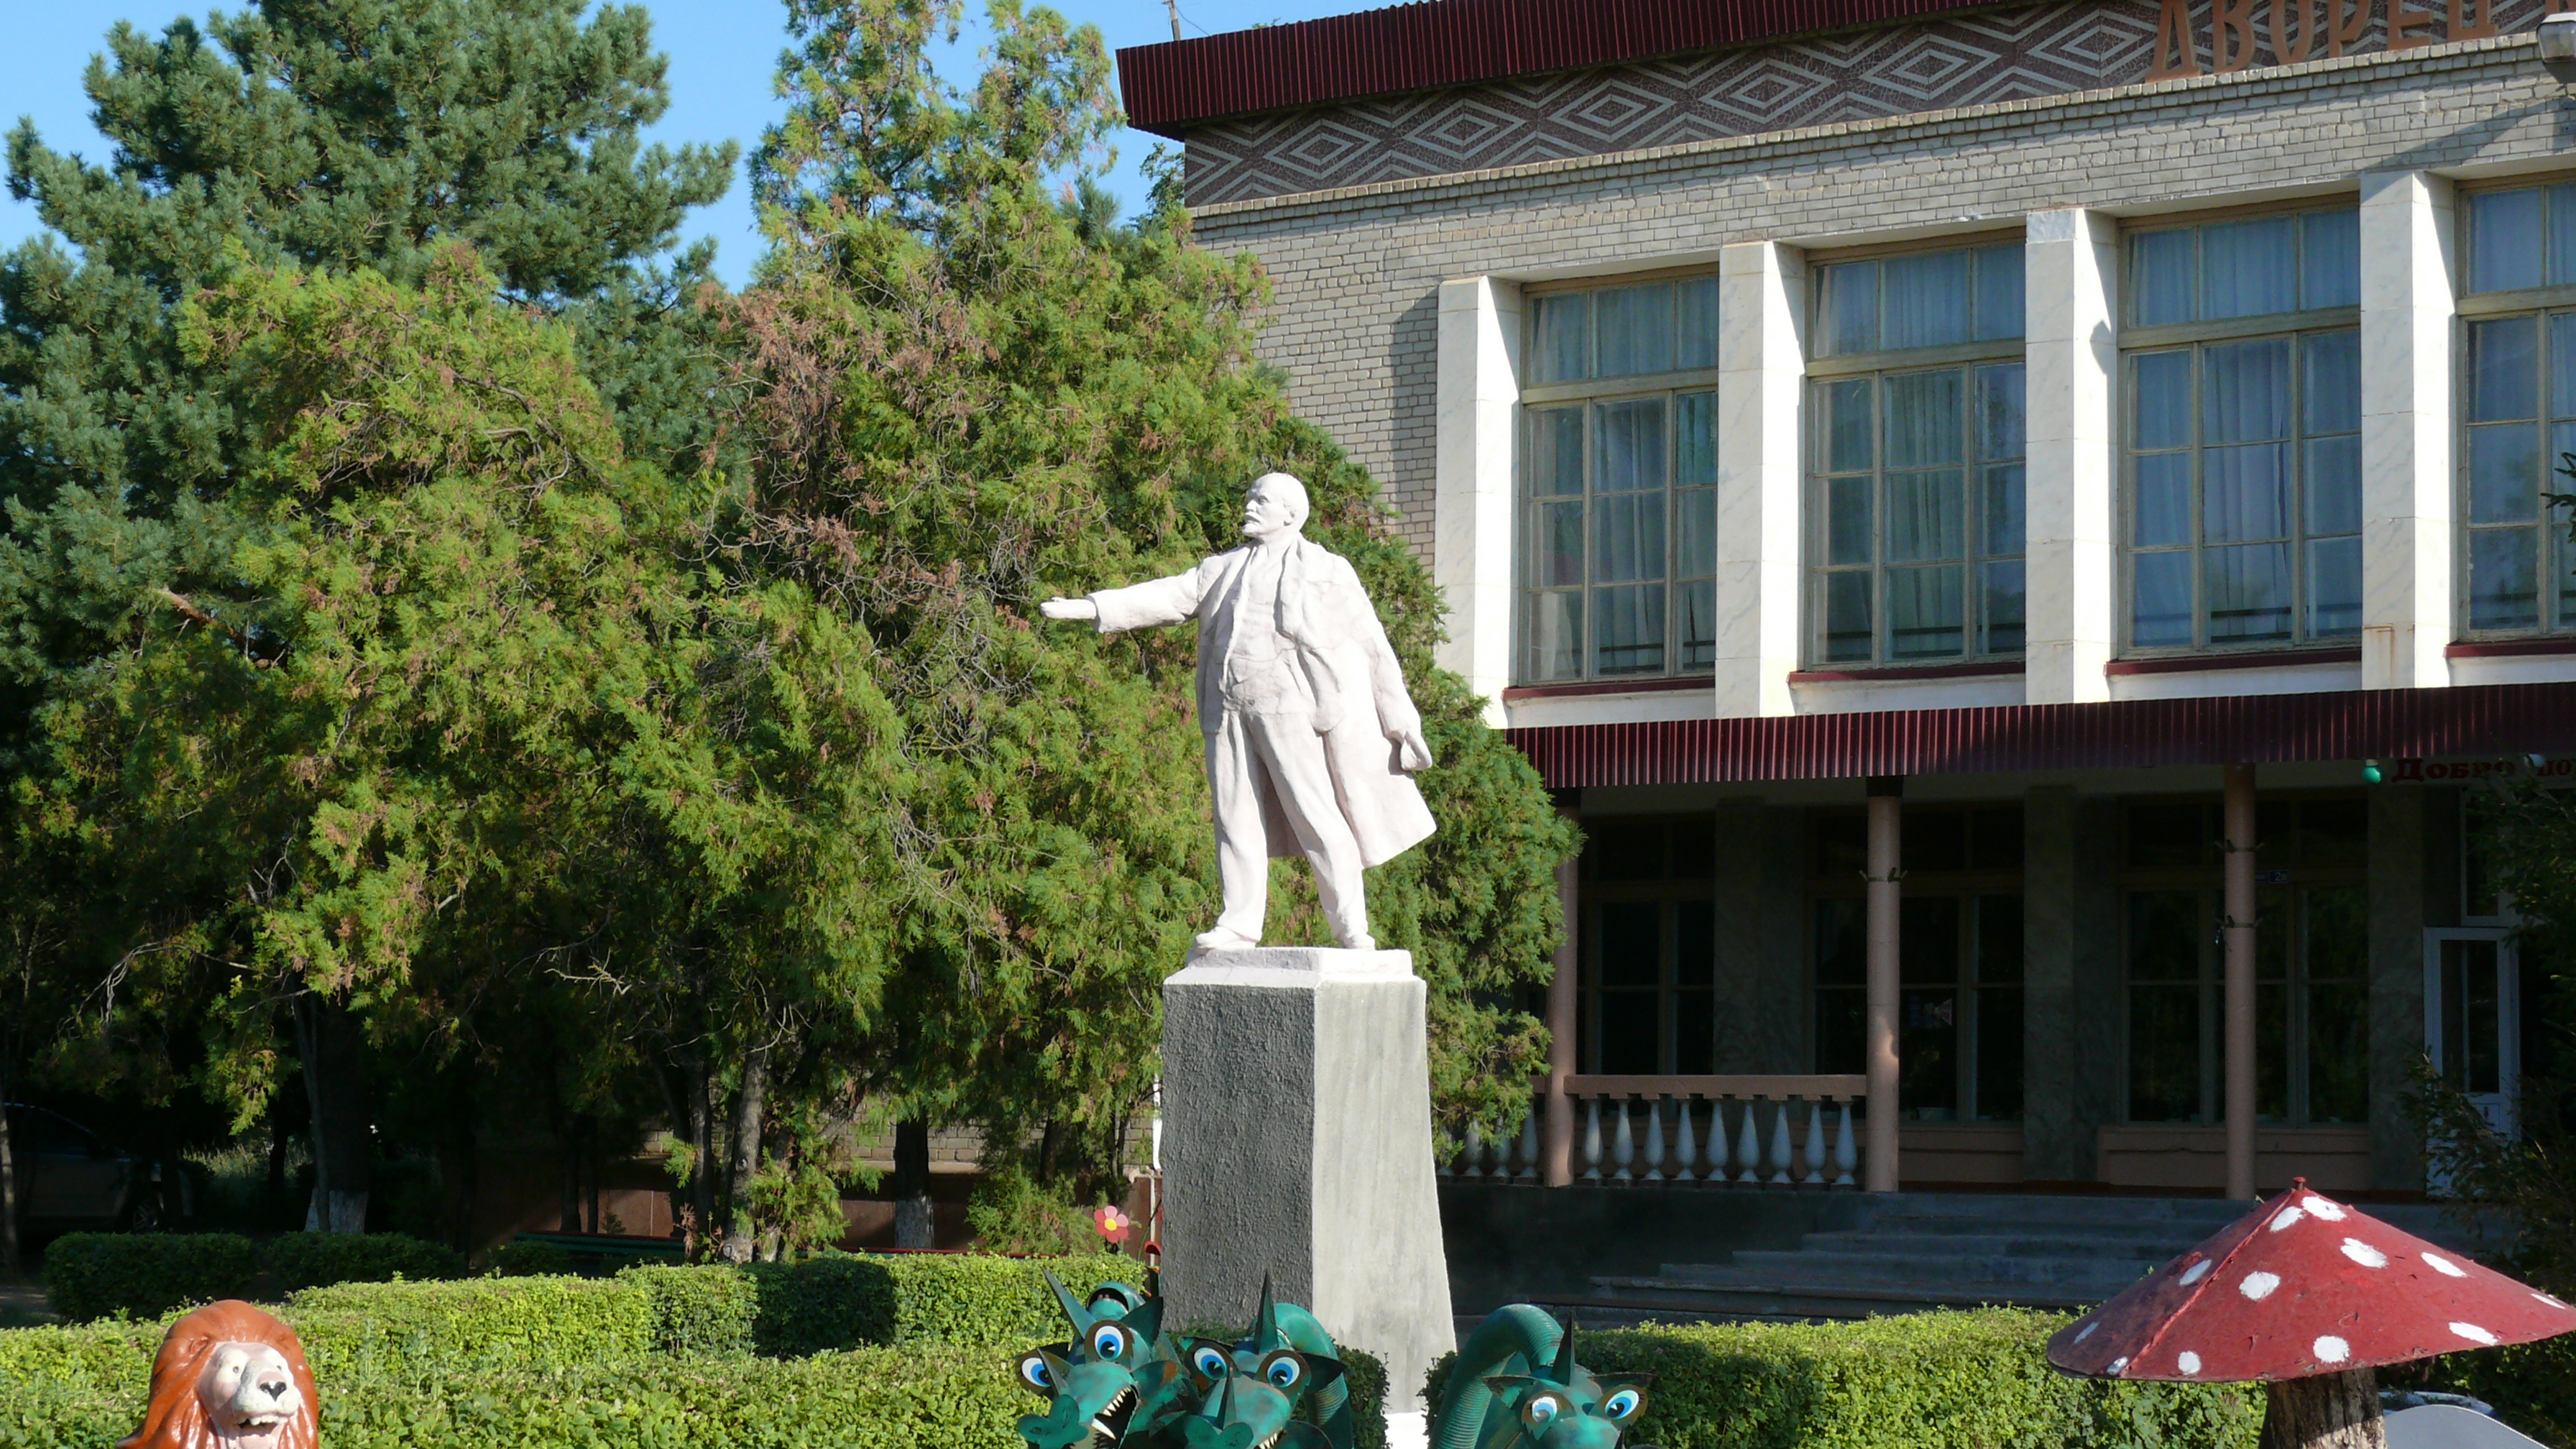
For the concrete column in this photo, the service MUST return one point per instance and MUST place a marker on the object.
(1883, 916)
(1762, 366)
(2100, 1019)
(2072, 301)
(2404, 874)
(1297, 1147)
(2048, 909)
(1556, 1132)
(1762, 1022)
(1478, 414)
(2407, 252)
(2239, 993)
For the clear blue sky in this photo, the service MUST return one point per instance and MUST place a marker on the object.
(723, 54)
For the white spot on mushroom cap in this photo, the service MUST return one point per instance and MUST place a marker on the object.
(2196, 1272)
(2552, 1302)
(2321, 1208)
(2085, 1332)
(2474, 1334)
(2259, 1286)
(2119, 1364)
(2287, 1217)
(2187, 1361)
(2364, 1254)
(2331, 1349)
(2445, 1266)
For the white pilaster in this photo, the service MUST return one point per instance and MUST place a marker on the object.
(2072, 301)
(1478, 413)
(1761, 358)
(2407, 255)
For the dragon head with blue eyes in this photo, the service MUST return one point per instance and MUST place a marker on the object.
(1251, 1392)
(1094, 1382)
(1517, 1386)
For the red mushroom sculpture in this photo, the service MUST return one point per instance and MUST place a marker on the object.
(2307, 1295)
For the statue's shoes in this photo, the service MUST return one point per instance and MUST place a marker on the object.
(1364, 943)
(1223, 938)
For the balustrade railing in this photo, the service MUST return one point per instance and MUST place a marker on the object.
(1769, 1131)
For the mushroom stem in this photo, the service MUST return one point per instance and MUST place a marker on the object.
(2327, 1411)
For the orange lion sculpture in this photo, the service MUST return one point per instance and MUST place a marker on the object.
(229, 1377)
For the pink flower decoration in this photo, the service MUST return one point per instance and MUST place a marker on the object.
(1112, 1224)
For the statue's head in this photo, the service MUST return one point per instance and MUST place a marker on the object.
(1276, 505)
(228, 1376)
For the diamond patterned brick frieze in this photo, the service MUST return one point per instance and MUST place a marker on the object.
(1964, 60)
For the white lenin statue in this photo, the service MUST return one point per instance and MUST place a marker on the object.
(1311, 739)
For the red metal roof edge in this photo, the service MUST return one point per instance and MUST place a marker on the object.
(1172, 85)
(2465, 721)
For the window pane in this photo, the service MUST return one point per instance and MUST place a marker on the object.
(1924, 419)
(2249, 268)
(1999, 289)
(1847, 528)
(1559, 546)
(1634, 330)
(2004, 529)
(1627, 538)
(2004, 608)
(1552, 636)
(2331, 268)
(1698, 340)
(2504, 369)
(2501, 569)
(2245, 391)
(1927, 300)
(2271, 1052)
(1848, 426)
(1628, 1026)
(2334, 485)
(2504, 472)
(1842, 942)
(2332, 382)
(2001, 425)
(1999, 933)
(1927, 934)
(2249, 592)
(2163, 514)
(1696, 626)
(1694, 439)
(1847, 634)
(1631, 943)
(1694, 533)
(1628, 446)
(2164, 399)
(2164, 1053)
(1850, 307)
(1628, 629)
(1924, 612)
(1926, 516)
(2562, 365)
(1999, 1037)
(2338, 1054)
(2245, 493)
(2334, 587)
(2161, 613)
(1563, 322)
(2504, 240)
(1556, 451)
(2160, 276)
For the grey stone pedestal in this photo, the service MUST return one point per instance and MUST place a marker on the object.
(1297, 1143)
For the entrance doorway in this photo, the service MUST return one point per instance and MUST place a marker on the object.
(2472, 1016)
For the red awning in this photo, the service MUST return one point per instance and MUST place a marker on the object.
(1168, 88)
(2384, 724)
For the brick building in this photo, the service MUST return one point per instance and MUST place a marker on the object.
(1937, 473)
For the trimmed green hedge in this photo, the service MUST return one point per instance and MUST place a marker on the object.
(92, 1275)
(661, 1356)
(1957, 1380)
(311, 1260)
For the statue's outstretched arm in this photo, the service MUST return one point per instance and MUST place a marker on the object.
(1158, 601)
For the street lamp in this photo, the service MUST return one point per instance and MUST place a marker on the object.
(2558, 45)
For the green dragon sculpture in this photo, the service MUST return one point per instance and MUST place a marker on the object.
(1122, 1382)
(1516, 1386)
(1092, 1381)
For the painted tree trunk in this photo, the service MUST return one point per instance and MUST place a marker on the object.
(328, 1040)
(913, 1224)
(2328, 1411)
(739, 1239)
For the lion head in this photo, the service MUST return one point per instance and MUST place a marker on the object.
(229, 1377)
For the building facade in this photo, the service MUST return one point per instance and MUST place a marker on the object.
(1980, 477)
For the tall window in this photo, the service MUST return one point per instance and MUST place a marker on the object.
(2244, 478)
(2521, 408)
(2311, 962)
(1619, 483)
(1959, 960)
(1649, 945)
(1915, 547)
